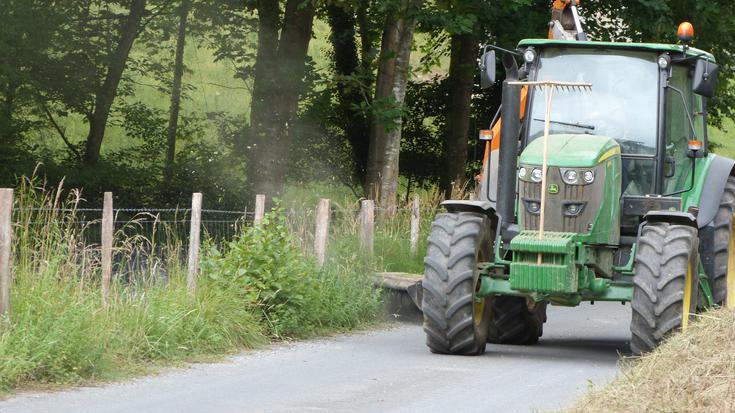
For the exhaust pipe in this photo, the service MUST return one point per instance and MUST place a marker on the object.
(509, 131)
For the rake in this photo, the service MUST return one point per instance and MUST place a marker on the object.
(548, 86)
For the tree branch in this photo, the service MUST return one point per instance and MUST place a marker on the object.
(229, 87)
(153, 14)
(60, 131)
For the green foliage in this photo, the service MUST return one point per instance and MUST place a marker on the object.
(269, 270)
(58, 331)
(258, 287)
(273, 275)
(57, 58)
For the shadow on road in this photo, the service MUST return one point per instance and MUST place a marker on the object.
(571, 335)
(563, 349)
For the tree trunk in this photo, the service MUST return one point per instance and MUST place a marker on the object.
(262, 122)
(7, 132)
(105, 95)
(346, 63)
(461, 80)
(265, 62)
(366, 38)
(383, 93)
(273, 120)
(390, 168)
(173, 120)
(293, 48)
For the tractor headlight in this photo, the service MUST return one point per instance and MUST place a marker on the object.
(533, 207)
(573, 210)
(570, 176)
(522, 173)
(536, 175)
(588, 177)
(529, 55)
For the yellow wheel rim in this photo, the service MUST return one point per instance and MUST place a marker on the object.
(687, 297)
(730, 280)
(479, 310)
(478, 305)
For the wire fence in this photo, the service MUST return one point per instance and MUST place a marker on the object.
(130, 243)
(158, 224)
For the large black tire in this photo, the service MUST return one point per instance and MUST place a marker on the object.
(454, 321)
(513, 320)
(723, 233)
(666, 280)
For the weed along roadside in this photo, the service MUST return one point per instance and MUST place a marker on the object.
(693, 370)
(84, 308)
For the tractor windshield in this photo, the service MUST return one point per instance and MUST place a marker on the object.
(622, 104)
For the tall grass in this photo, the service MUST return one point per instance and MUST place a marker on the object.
(256, 288)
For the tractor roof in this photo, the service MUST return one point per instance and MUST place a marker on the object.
(657, 47)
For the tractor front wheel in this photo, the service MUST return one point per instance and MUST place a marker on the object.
(665, 283)
(456, 320)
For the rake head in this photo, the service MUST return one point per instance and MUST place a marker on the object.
(555, 85)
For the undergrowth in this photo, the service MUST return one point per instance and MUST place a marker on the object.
(256, 288)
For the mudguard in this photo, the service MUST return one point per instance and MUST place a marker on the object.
(482, 207)
(416, 292)
(720, 169)
(673, 217)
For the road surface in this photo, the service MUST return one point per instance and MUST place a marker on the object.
(388, 370)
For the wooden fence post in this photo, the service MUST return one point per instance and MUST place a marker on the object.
(367, 225)
(415, 222)
(194, 235)
(6, 234)
(259, 208)
(321, 233)
(108, 230)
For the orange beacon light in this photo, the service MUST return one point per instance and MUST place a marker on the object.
(685, 33)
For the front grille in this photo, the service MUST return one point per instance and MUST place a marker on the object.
(556, 220)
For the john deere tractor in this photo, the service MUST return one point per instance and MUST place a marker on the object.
(607, 194)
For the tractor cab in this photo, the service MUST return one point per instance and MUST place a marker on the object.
(649, 98)
(643, 96)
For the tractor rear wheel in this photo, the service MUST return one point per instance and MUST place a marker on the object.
(455, 320)
(665, 283)
(723, 246)
(515, 320)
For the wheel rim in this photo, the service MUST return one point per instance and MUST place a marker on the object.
(687, 297)
(478, 307)
(730, 280)
(479, 303)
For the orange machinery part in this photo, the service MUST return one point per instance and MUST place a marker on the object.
(558, 8)
(494, 143)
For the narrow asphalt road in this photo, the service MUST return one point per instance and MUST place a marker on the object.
(389, 370)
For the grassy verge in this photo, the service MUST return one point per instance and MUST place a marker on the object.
(257, 288)
(693, 371)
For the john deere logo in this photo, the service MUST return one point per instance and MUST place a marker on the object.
(553, 189)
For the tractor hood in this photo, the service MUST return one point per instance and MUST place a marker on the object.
(571, 150)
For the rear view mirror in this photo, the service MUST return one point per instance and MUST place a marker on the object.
(705, 78)
(487, 69)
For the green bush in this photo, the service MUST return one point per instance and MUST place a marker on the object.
(295, 297)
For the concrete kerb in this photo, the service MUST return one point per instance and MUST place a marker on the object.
(398, 303)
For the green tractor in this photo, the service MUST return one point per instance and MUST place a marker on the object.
(636, 208)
